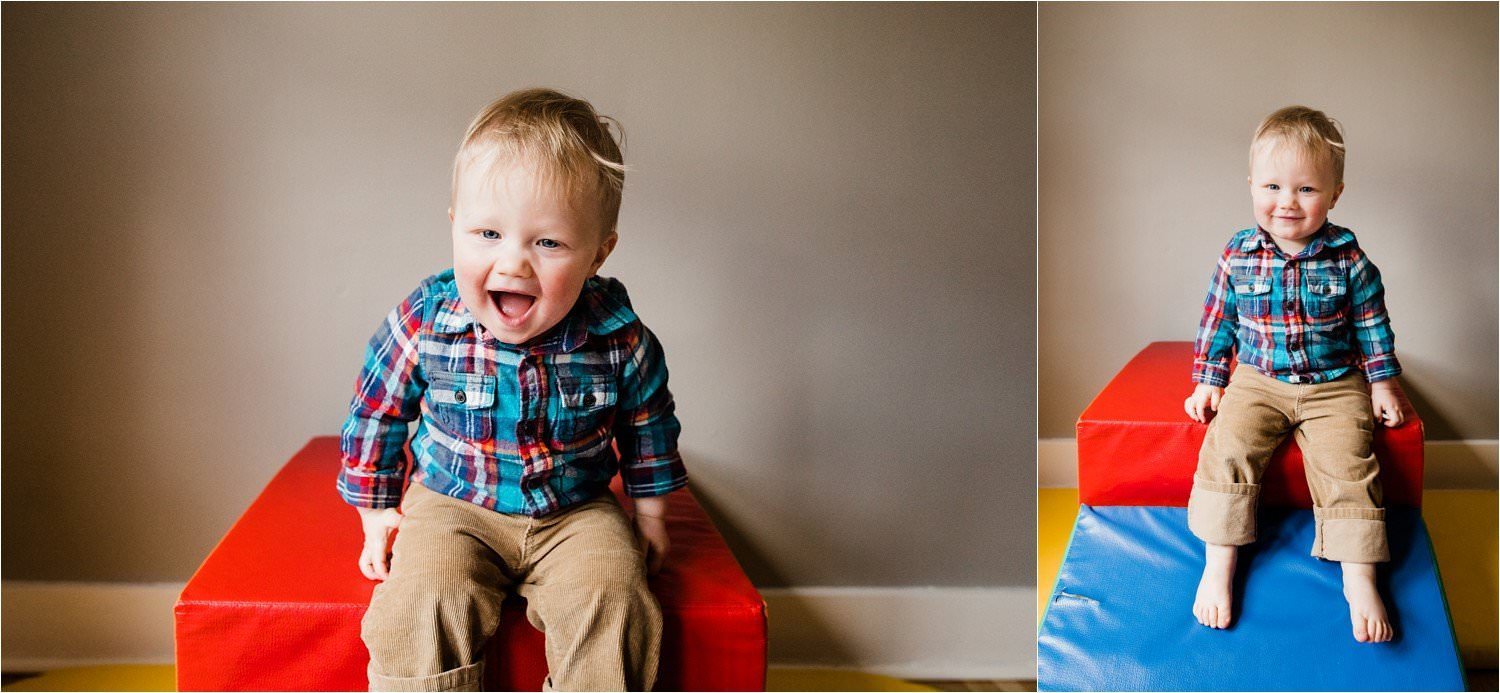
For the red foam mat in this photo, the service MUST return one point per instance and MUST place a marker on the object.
(277, 604)
(1136, 445)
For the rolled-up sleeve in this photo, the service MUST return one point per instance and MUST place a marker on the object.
(1372, 325)
(387, 399)
(1213, 348)
(646, 426)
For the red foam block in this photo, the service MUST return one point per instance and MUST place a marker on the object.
(277, 604)
(1136, 445)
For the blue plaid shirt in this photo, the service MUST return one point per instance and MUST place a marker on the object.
(1308, 318)
(517, 429)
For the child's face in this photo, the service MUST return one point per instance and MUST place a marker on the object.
(521, 250)
(1291, 193)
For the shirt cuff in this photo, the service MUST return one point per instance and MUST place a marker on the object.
(1213, 373)
(1381, 367)
(376, 492)
(658, 477)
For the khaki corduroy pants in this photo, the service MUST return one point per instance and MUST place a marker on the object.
(1334, 426)
(580, 570)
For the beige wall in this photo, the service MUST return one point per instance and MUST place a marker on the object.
(208, 208)
(1146, 111)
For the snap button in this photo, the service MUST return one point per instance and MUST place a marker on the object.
(459, 396)
(588, 400)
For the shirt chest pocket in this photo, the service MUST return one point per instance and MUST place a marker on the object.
(1326, 294)
(586, 405)
(463, 403)
(1252, 294)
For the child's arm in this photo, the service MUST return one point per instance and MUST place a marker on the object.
(1377, 343)
(646, 434)
(1213, 348)
(387, 398)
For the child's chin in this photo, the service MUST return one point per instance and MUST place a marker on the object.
(508, 334)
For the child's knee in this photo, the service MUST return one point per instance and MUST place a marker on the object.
(400, 608)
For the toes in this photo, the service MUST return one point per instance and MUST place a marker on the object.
(1361, 629)
(1223, 617)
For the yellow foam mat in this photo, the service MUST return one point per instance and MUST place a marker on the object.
(781, 679)
(115, 677)
(1463, 528)
(163, 678)
(1464, 537)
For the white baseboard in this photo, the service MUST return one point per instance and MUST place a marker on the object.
(910, 632)
(907, 632)
(1450, 464)
(49, 625)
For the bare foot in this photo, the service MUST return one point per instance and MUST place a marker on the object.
(1366, 610)
(1216, 587)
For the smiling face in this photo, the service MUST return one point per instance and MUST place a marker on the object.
(521, 249)
(1291, 192)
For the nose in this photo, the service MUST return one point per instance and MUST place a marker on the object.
(1286, 200)
(513, 262)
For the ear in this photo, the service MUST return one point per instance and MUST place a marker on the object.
(450, 214)
(1338, 190)
(605, 248)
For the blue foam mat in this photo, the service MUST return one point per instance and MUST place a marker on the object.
(1120, 616)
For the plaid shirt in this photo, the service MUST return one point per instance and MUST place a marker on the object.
(521, 430)
(1309, 318)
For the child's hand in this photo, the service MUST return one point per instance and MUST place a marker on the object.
(1205, 398)
(653, 535)
(1389, 403)
(374, 558)
(651, 529)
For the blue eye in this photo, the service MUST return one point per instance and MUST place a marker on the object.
(1272, 186)
(490, 234)
(549, 243)
(1304, 189)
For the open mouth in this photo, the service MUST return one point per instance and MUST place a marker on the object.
(513, 306)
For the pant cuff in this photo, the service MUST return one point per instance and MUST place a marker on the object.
(1350, 535)
(1223, 513)
(466, 678)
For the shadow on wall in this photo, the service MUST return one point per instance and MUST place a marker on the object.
(1417, 370)
(756, 563)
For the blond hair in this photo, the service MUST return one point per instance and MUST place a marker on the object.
(567, 142)
(1312, 132)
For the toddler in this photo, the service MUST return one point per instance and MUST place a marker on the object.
(1303, 310)
(525, 372)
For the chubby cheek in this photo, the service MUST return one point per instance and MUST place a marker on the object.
(470, 273)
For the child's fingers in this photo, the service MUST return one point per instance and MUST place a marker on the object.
(364, 565)
(1191, 406)
(655, 556)
(1394, 417)
(1213, 399)
(375, 554)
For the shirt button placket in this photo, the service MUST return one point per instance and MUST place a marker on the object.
(1295, 319)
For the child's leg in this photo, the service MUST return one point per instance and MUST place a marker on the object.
(427, 624)
(587, 592)
(1343, 476)
(1254, 415)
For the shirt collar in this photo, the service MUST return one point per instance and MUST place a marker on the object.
(603, 306)
(1330, 236)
